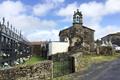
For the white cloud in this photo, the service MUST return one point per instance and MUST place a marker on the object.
(9, 8)
(44, 35)
(41, 9)
(67, 11)
(92, 9)
(54, 1)
(29, 24)
(112, 6)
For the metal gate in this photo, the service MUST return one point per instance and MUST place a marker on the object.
(62, 65)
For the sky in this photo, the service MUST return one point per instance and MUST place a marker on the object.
(41, 20)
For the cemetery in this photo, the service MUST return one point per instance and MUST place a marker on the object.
(72, 55)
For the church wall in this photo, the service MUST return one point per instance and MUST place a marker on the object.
(89, 37)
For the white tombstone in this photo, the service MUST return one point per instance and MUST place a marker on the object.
(21, 60)
(16, 63)
(103, 43)
(5, 64)
(106, 42)
(4, 54)
(110, 43)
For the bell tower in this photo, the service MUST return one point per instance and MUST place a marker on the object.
(77, 17)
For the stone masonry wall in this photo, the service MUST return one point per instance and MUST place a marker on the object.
(77, 61)
(40, 71)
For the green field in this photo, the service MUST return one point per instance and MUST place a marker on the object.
(34, 59)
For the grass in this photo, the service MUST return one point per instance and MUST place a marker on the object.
(34, 59)
(66, 77)
(100, 58)
(87, 60)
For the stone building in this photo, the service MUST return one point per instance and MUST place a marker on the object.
(40, 48)
(78, 35)
(114, 38)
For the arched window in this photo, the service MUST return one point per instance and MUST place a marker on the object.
(77, 18)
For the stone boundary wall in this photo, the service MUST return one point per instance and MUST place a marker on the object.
(60, 56)
(73, 58)
(77, 61)
(39, 71)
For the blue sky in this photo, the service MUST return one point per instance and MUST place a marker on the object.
(42, 20)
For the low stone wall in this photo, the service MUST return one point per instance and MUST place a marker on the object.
(40, 71)
(60, 57)
(77, 61)
(73, 58)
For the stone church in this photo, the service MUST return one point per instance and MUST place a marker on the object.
(78, 35)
